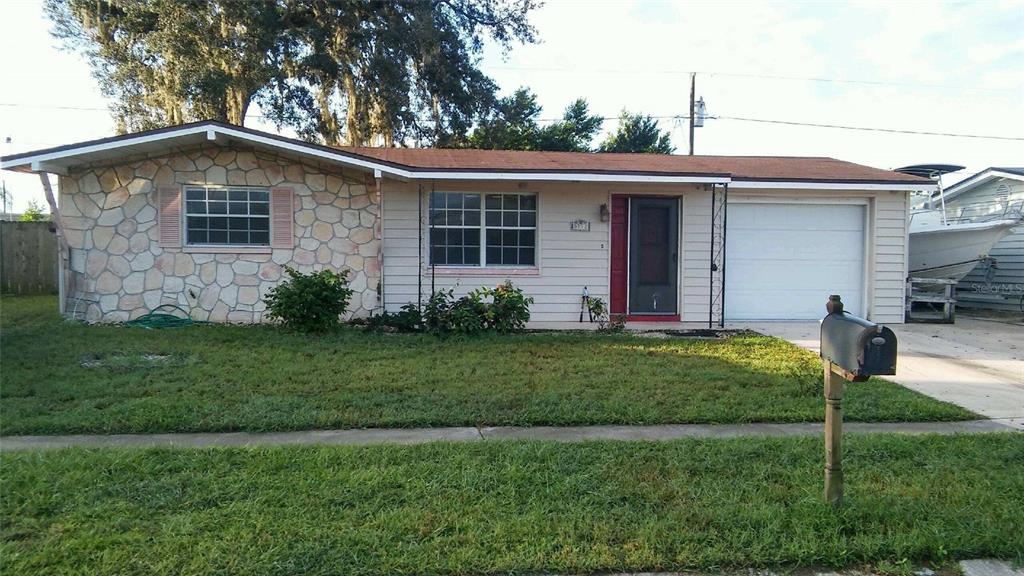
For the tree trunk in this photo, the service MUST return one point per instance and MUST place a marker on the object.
(237, 105)
(330, 130)
(353, 124)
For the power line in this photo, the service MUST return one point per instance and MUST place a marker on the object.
(760, 77)
(869, 129)
(81, 108)
(677, 117)
(820, 125)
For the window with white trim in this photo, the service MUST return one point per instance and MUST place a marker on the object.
(235, 215)
(483, 229)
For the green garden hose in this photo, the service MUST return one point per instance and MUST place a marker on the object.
(157, 319)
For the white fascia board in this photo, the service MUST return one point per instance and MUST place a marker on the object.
(49, 167)
(211, 133)
(831, 186)
(569, 177)
(60, 154)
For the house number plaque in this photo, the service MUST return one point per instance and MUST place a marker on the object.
(580, 225)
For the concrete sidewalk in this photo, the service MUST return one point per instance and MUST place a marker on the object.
(975, 363)
(984, 567)
(471, 434)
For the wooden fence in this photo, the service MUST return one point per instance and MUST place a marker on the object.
(28, 258)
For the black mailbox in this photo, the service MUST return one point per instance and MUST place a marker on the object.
(858, 347)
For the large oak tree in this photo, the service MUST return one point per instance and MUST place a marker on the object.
(337, 71)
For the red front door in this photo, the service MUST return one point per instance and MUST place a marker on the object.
(619, 254)
(618, 294)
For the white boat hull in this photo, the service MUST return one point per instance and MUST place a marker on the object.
(951, 252)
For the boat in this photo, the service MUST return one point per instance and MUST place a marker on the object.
(950, 250)
(944, 246)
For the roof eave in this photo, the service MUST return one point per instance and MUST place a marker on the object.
(820, 184)
(977, 180)
(59, 159)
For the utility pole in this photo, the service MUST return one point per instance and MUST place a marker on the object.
(693, 93)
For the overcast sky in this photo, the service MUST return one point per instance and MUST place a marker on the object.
(920, 66)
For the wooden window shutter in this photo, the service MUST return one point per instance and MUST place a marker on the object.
(169, 219)
(282, 217)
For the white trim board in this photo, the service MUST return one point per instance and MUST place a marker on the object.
(743, 199)
(852, 186)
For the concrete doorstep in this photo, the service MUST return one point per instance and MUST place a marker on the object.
(472, 434)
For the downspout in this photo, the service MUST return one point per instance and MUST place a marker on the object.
(62, 244)
(429, 256)
(419, 251)
(725, 230)
(711, 263)
(380, 238)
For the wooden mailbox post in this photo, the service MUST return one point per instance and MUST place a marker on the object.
(833, 435)
(852, 350)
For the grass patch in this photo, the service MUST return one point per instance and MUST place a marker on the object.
(501, 507)
(61, 377)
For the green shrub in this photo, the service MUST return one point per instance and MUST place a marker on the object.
(615, 324)
(504, 308)
(311, 302)
(509, 309)
(606, 321)
(437, 313)
(597, 308)
(408, 319)
(470, 314)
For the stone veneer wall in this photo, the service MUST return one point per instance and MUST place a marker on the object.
(118, 270)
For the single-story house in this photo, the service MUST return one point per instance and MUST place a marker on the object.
(206, 215)
(993, 193)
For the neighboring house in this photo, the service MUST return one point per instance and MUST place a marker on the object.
(992, 193)
(205, 215)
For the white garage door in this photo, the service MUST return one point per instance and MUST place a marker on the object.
(783, 260)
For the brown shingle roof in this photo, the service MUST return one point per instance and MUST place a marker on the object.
(738, 167)
(750, 168)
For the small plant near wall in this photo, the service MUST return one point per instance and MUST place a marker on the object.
(509, 309)
(444, 313)
(311, 302)
(606, 322)
(615, 324)
(408, 319)
(504, 308)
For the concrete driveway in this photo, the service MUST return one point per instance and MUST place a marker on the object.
(978, 364)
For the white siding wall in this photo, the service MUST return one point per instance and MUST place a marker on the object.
(568, 260)
(986, 193)
(696, 251)
(887, 270)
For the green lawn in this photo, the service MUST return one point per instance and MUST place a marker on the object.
(501, 507)
(61, 377)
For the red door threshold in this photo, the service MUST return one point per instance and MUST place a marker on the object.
(652, 318)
